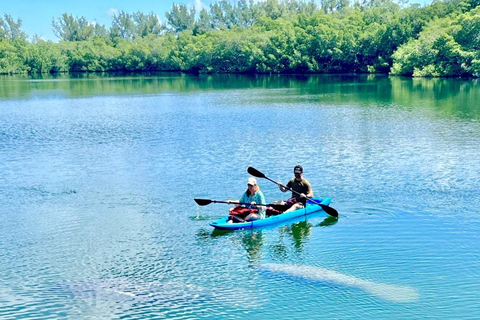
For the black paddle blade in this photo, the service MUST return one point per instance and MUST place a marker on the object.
(203, 202)
(254, 172)
(330, 211)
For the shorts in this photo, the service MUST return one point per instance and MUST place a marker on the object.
(290, 202)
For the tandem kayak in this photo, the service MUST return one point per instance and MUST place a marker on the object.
(311, 207)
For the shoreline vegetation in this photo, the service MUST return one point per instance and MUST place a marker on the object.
(273, 36)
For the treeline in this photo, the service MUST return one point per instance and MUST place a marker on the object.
(273, 36)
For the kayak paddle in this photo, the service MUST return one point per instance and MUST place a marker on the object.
(205, 202)
(329, 210)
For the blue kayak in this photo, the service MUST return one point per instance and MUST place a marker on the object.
(311, 207)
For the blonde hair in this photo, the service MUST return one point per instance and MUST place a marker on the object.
(255, 187)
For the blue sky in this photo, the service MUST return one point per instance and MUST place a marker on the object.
(37, 15)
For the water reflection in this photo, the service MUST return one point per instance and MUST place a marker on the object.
(299, 233)
(451, 97)
(253, 242)
(328, 222)
(102, 189)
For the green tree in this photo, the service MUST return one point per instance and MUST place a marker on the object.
(303, 7)
(271, 36)
(69, 28)
(445, 47)
(147, 24)
(123, 26)
(467, 33)
(180, 18)
(10, 59)
(229, 17)
(238, 51)
(11, 29)
(100, 31)
(44, 57)
(204, 23)
(273, 9)
(246, 13)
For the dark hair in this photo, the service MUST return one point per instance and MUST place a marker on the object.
(298, 168)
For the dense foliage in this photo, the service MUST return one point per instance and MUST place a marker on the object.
(273, 36)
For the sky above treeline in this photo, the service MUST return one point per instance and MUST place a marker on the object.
(37, 15)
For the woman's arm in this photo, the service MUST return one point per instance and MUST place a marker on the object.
(260, 199)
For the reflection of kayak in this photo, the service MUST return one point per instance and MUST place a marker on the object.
(310, 208)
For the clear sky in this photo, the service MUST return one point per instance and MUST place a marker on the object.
(37, 15)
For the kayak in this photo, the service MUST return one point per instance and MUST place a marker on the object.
(310, 208)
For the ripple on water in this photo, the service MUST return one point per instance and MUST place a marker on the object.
(98, 217)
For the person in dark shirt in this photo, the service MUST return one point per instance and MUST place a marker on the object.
(302, 187)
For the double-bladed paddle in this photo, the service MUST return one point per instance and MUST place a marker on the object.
(205, 202)
(329, 210)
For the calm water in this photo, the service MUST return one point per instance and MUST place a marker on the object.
(98, 176)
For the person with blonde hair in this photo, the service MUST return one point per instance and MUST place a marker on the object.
(256, 207)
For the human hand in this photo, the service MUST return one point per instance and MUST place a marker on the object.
(253, 203)
(302, 195)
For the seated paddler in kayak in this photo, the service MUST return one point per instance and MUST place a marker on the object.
(256, 208)
(302, 188)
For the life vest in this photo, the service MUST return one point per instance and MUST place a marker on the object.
(242, 211)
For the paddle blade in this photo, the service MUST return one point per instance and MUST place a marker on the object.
(254, 172)
(330, 211)
(203, 202)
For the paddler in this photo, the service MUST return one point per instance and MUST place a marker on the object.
(300, 185)
(254, 196)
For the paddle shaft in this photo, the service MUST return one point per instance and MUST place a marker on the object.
(205, 202)
(331, 211)
(241, 203)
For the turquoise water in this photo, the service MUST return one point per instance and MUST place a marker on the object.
(98, 176)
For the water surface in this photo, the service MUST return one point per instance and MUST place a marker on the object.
(98, 176)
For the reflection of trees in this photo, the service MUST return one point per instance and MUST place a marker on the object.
(252, 242)
(449, 96)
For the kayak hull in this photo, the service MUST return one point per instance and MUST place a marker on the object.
(221, 224)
